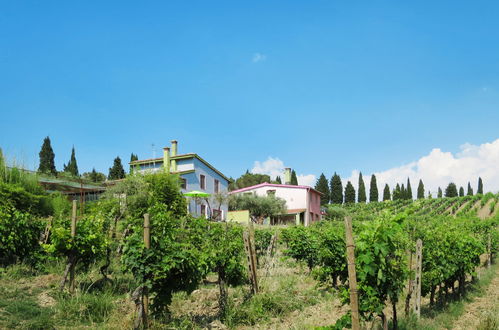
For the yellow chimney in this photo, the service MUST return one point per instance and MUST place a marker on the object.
(174, 153)
(166, 159)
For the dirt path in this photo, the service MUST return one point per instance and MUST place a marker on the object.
(480, 307)
(484, 212)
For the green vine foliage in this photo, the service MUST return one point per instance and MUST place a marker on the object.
(331, 253)
(302, 244)
(87, 246)
(19, 235)
(179, 257)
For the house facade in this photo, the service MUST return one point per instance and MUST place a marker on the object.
(196, 174)
(303, 203)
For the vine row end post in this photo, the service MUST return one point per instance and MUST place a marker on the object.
(352, 275)
(147, 243)
(72, 261)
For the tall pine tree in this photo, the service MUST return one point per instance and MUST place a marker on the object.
(451, 190)
(373, 190)
(470, 190)
(397, 193)
(479, 191)
(72, 167)
(461, 191)
(323, 186)
(47, 164)
(294, 179)
(336, 189)
(278, 180)
(349, 193)
(386, 193)
(361, 190)
(116, 172)
(439, 195)
(403, 192)
(420, 189)
(408, 191)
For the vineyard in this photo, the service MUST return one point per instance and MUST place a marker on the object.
(136, 259)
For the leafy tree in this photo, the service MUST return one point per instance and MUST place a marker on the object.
(439, 195)
(461, 191)
(479, 191)
(259, 207)
(323, 186)
(451, 190)
(349, 193)
(362, 190)
(278, 180)
(336, 189)
(294, 179)
(470, 190)
(116, 172)
(408, 192)
(94, 176)
(420, 189)
(373, 190)
(386, 193)
(72, 167)
(249, 179)
(47, 156)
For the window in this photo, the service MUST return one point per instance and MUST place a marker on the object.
(270, 192)
(202, 181)
(203, 210)
(217, 183)
(183, 183)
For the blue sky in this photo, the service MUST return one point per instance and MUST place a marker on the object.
(323, 86)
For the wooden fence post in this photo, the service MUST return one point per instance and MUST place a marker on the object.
(489, 248)
(251, 262)
(417, 281)
(73, 235)
(145, 292)
(352, 275)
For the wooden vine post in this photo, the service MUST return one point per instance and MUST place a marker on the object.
(251, 260)
(73, 235)
(145, 292)
(417, 281)
(352, 275)
(489, 248)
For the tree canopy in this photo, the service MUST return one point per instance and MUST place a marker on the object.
(259, 207)
(116, 172)
(373, 190)
(72, 166)
(249, 179)
(420, 189)
(323, 186)
(336, 189)
(386, 193)
(361, 190)
(294, 178)
(47, 164)
(349, 193)
(479, 191)
(451, 190)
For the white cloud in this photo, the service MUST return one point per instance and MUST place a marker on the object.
(258, 57)
(275, 167)
(438, 168)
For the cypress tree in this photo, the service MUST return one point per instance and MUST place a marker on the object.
(470, 190)
(479, 191)
(72, 167)
(294, 179)
(116, 172)
(278, 180)
(397, 193)
(349, 193)
(451, 190)
(439, 195)
(386, 193)
(420, 189)
(47, 164)
(373, 190)
(461, 191)
(361, 190)
(323, 186)
(408, 191)
(403, 192)
(336, 189)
